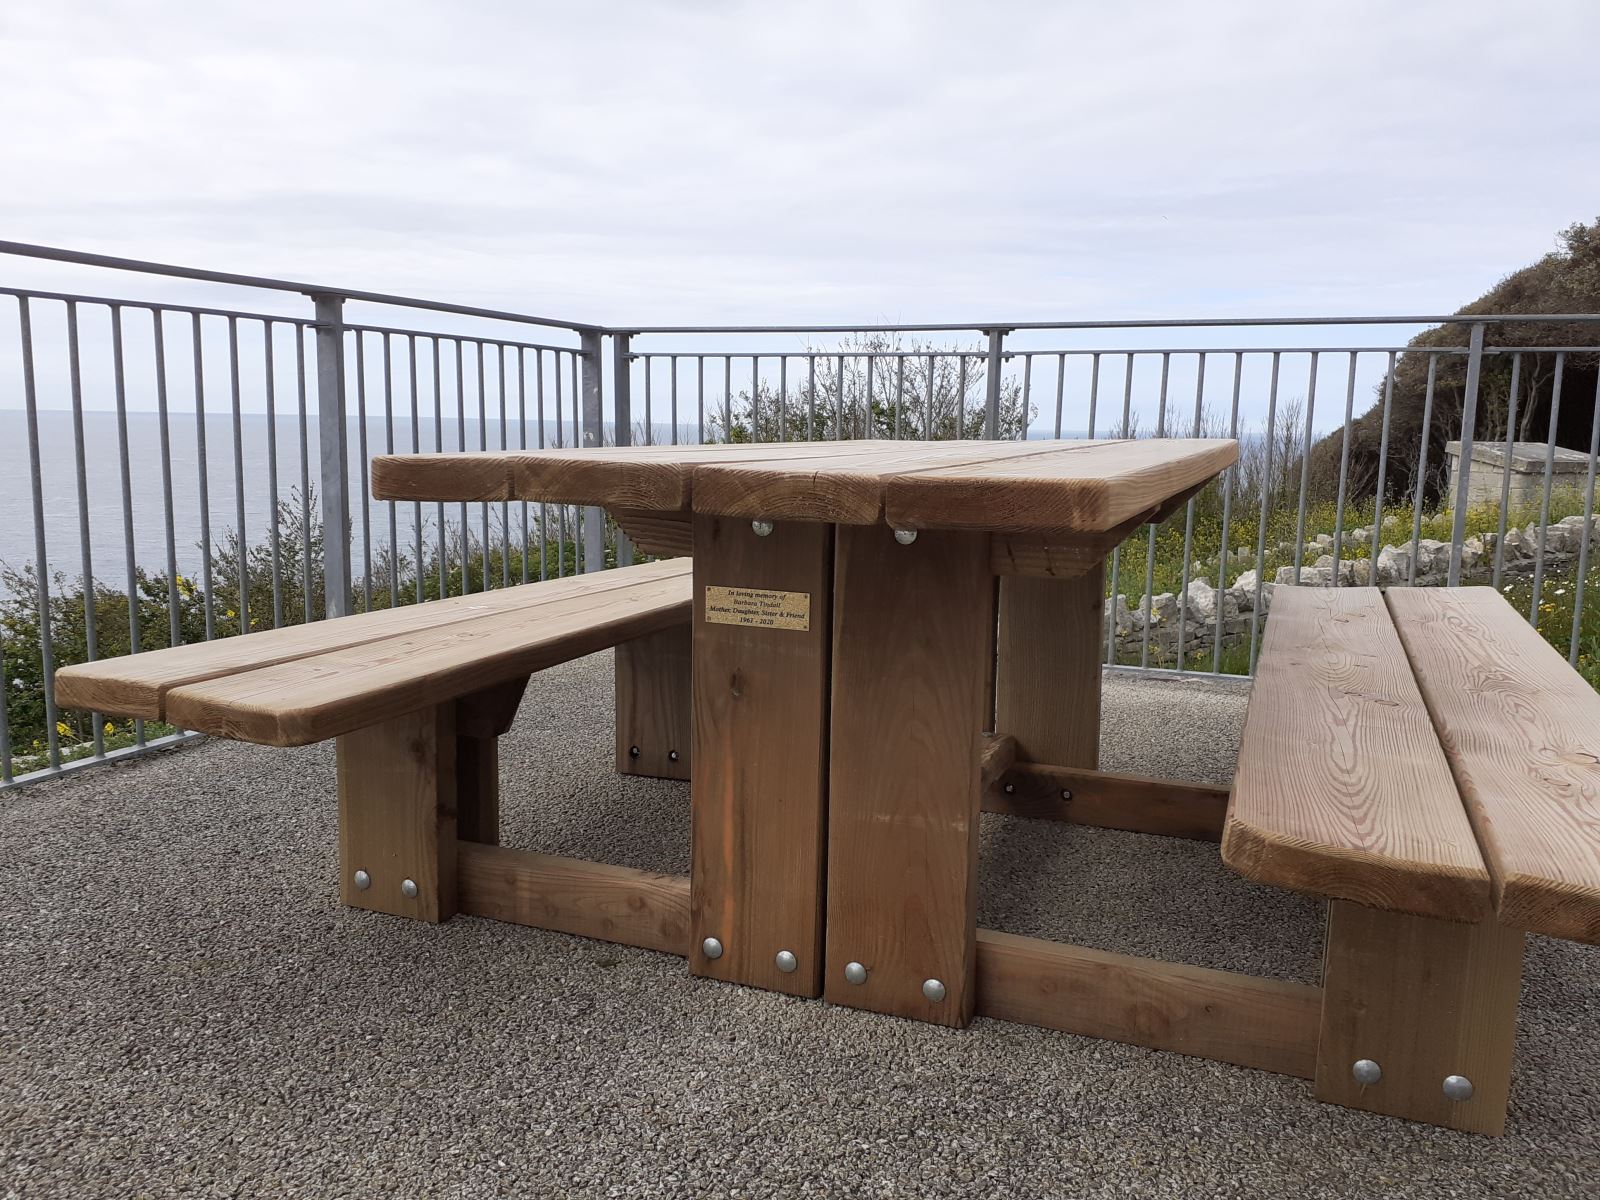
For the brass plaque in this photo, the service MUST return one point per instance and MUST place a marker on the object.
(761, 608)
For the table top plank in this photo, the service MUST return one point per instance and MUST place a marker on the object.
(1066, 486)
(1342, 788)
(1522, 730)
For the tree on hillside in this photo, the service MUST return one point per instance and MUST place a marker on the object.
(1564, 281)
(873, 386)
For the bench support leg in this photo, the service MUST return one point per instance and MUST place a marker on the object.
(1047, 683)
(653, 704)
(397, 815)
(1424, 1000)
(481, 718)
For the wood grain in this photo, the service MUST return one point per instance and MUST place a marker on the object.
(1342, 789)
(1074, 487)
(1068, 554)
(309, 699)
(454, 476)
(568, 895)
(1268, 1024)
(911, 635)
(668, 535)
(481, 719)
(137, 684)
(1108, 801)
(654, 698)
(997, 755)
(1521, 729)
(1423, 999)
(1047, 681)
(758, 797)
(397, 814)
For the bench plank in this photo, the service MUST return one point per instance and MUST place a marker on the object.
(1342, 788)
(1521, 728)
(134, 685)
(309, 699)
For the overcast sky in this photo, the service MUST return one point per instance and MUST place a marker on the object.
(731, 162)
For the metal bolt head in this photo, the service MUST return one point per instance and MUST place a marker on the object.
(363, 881)
(1066, 794)
(933, 990)
(1366, 1072)
(905, 536)
(854, 972)
(762, 528)
(711, 948)
(1010, 788)
(633, 752)
(1457, 1088)
(408, 888)
(786, 961)
(672, 755)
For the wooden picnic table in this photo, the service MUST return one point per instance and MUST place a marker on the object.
(848, 663)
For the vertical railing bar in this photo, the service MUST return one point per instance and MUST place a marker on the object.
(505, 444)
(727, 396)
(649, 423)
(1505, 476)
(700, 398)
(1305, 470)
(333, 455)
(522, 442)
(578, 562)
(929, 432)
(1383, 469)
(673, 362)
(41, 559)
(205, 488)
(868, 427)
(1422, 469)
(274, 538)
(241, 545)
(159, 344)
(991, 389)
(1266, 489)
(461, 445)
(5, 722)
(1344, 468)
(1228, 476)
(1150, 551)
(783, 398)
(1469, 420)
(418, 533)
(1586, 530)
(811, 396)
(961, 397)
(438, 444)
(1027, 393)
(1116, 551)
(305, 470)
(561, 440)
(1544, 502)
(86, 556)
(125, 473)
(1061, 386)
(1188, 520)
(388, 448)
(544, 507)
(899, 396)
(755, 398)
(361, 458)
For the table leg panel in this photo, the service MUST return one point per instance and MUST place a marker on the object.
(758, 796)
(912, 634)
(1048, 678)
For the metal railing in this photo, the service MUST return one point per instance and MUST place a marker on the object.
(123, 403)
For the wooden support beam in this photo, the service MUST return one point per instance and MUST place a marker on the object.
(654, 695)
(481, 719)
(762, 630)
(663, 534)
(998, 754)
(397, 815)
(1268, 1024)
(1047, 682)
(1424, 999)
(1068, 554)
(1129, 802)
(911, 640)
(568, 895)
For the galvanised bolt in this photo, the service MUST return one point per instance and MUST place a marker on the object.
(1065, 794)
(711, 948)
(672, 755)
(786, 961)
(933, 989)
(1010, 788)
(762, 528)
(363, 881)
(1366, 1072)
(633, 752)
(854, 972)
(1457, 1088)
(905, 536)
(408, 888)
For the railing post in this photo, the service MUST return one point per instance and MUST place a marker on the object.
(333, 454)
(593, 435)
(1469, 420)
(991, 383)
(622, 418)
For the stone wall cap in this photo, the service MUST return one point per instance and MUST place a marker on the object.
(1526, 457)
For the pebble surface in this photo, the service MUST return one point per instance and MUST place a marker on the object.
(186, 1010)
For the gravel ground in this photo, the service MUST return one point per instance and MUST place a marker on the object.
(185, 1009)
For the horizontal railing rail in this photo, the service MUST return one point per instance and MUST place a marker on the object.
(218, 457)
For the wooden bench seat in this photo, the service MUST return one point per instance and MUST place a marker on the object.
(1428, 762)
(418, 698)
